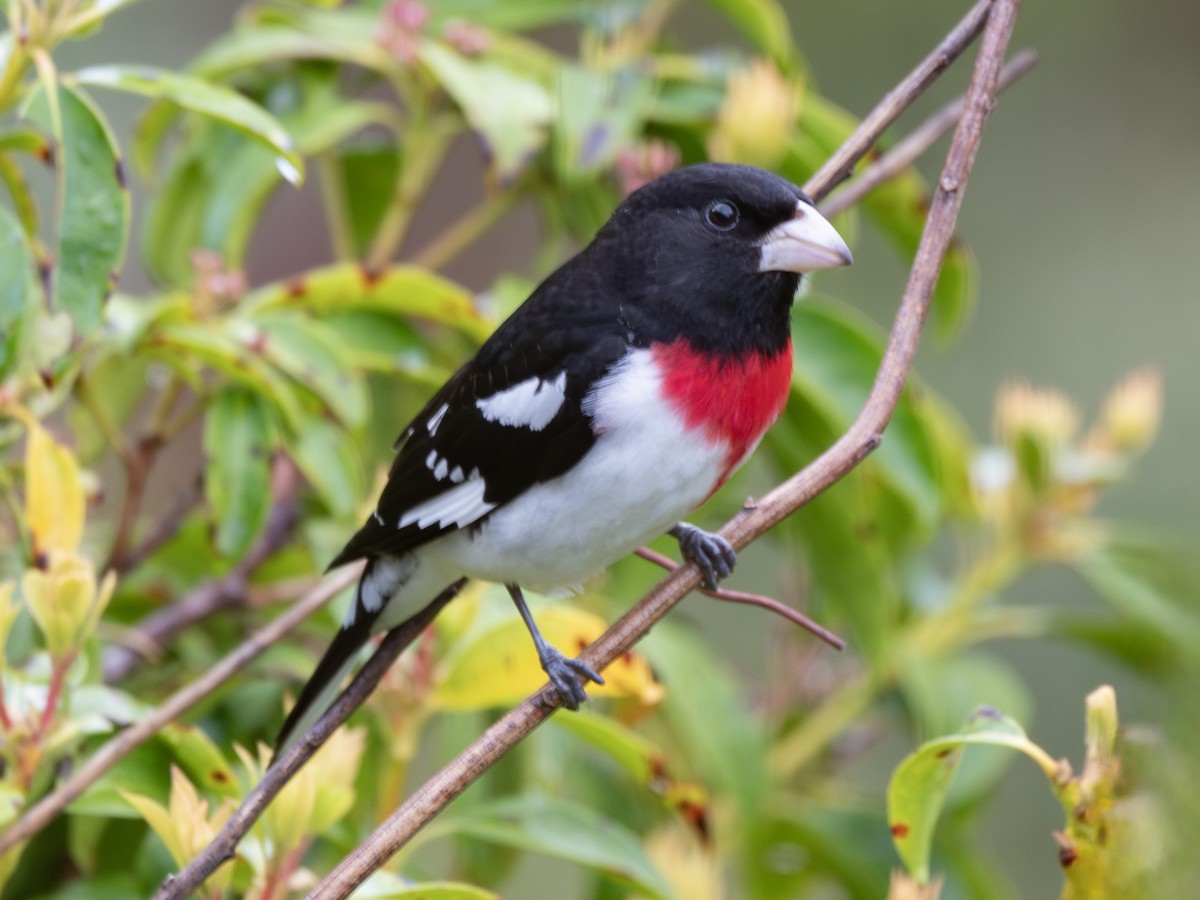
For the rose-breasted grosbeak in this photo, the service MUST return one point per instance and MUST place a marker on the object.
(618, 398)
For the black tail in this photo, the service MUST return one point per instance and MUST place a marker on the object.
(325, 682)
(324, 686)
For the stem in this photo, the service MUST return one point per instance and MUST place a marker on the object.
(333, 201)
(468, 229)
(112, 433)
(5, 719)
(426, 148)
(58, 676)
(833, 716)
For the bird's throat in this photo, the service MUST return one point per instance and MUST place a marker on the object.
(730, 399)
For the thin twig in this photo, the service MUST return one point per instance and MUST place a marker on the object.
(838, 167)
(158, 628)
(863, 436)
(768, 603)
(914, 144)
(284, 767)
(41, 813)
(165, 529)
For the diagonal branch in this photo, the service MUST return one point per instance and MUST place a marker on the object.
(223, 846)
(863, 436)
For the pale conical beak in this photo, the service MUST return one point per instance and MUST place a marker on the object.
(804, 243)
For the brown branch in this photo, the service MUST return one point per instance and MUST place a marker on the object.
(838, 167)
(158, 628)
(768, 603)
(863, 436)
(43, 812)
(223, 846)
(920, 139)
(165, 529)
(138, 460)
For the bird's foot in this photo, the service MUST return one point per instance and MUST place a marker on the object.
(566, 675)
(711, 552)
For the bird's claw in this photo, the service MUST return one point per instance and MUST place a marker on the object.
(713, 554)
(568, 677)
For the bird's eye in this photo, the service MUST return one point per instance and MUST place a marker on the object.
(722, 215)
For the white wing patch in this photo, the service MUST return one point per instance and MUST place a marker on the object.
(531, 404)
(436, 419)
(387, 575)
(459, 506)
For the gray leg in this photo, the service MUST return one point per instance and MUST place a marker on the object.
(712, 553)
(565, 674)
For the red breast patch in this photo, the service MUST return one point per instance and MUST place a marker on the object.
(733, 401)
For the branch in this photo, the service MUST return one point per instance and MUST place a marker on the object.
(165, 529)
(838, 167)
(920, 139)
(863, 436)
(768, 603)
(158, 628)
(223, 846)
(41, 813)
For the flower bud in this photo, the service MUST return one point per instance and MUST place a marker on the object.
(755, 122)
(1133, 411)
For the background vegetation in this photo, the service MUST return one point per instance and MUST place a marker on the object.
(194, 444)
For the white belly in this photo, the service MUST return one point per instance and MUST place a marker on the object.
(645, 472)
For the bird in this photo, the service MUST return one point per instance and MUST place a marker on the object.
(612, 403)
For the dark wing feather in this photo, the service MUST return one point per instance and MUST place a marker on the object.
(551, 334)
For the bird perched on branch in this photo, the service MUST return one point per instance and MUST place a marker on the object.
(621, 395)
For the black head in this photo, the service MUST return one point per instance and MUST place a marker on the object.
(715, 252)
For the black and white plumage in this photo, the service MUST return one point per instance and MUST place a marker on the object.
(614, 401)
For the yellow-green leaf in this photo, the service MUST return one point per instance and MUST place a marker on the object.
(500, 666)
(919, 785)
(54, 498)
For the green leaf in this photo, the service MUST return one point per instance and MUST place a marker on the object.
(838, 352)
(237, 480)
(200, 758)
(510, 112)
(173, 222)
(942, 691)
(144, 771)
(313, 356)
(765, 23)
(701, 691)
(399, 290)
(183, 345)
(331, 466)
(17, 291)
(24, 202)
(255, 47)
(390, 886)
(919, 785)
(568, 831)
(93, 221)
(1136, 581)
(368, 179)
(216, 101)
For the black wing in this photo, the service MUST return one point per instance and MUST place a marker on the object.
(497, 426)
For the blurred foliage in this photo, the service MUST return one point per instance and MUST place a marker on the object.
(678, 781)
